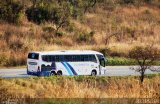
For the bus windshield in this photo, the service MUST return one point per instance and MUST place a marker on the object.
(101, 60)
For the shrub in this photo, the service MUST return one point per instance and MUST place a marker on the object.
(11, 11)
(38, 14)
(59, 34)
(92, 33)
(128, 1)
(70, 28)
(86, 36)
(148, 1)
(56, 13)
(3, 59)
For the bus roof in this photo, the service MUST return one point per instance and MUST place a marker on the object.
(68, 52)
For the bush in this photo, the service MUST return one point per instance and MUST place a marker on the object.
(3, 59)
(37, 15)
(11, 11)
(128, 1)
(70, 28)
(92, 33)
(148, 1)
(59, 14)
(59, 34)
(85, 37)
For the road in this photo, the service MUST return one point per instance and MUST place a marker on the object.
(111, 71)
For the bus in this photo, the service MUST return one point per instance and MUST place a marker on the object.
(67, 62)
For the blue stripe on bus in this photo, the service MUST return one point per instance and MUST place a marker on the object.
(72, 69)
(69, 71)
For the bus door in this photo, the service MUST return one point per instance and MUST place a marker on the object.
(102, 66)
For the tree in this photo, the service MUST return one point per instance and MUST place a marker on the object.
(62, 16)
(43, 11)
(145, 57)
(11, 11)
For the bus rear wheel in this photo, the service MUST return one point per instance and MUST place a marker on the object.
(93, 73)
(52, 73)
(59, 73)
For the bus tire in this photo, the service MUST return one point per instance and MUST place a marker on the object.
(93, 73)
(52, 73)
(59, 73)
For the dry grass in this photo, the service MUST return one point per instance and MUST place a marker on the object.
(81, 87)
(133, 25)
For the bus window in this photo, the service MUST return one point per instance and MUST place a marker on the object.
(74, 58)
(57, 58)
(67, 58)
(101, 60)
(82, 58)
(86, 58)
(49, 58)
(61, 58)
(92, 58)
(52, 58)
(33, 56)
(78, 58)
(45, 58)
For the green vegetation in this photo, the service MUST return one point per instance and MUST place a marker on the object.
(120, 61)
(11, 11)
(124, 61)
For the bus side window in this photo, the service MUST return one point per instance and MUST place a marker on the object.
(74, 58)
(67, 58)
(44, 58)
(82, 58)
(57, 58)
(61, 58)
(86, 58)
(53, 58)
(92, 58)
(49, 58)
(77, 58)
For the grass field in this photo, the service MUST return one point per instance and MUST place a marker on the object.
(81, 87)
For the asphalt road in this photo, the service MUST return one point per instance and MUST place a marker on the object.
(111, 71)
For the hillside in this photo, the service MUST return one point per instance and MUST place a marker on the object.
(112, 27)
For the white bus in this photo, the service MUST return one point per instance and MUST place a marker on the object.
(68, 62)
